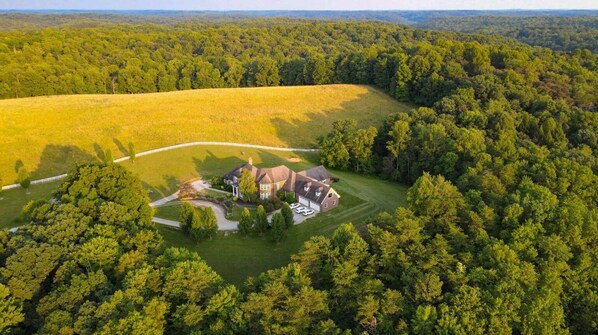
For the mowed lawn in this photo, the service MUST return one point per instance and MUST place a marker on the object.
(237, 257)
(233, 256)
(162, 173)
(49, 134)
(12, 201)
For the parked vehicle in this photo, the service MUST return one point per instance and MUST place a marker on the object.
(295, 205)
(300, 210)
(308, 212)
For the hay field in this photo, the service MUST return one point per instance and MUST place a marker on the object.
(48, 134)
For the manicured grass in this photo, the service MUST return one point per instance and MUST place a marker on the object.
(236, 257)
(50, 133)
(171, 211)
(13, 201)
(163, 172)
(237, 210)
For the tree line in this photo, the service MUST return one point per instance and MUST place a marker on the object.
(412, 65)
(555, 32)
(498, 235)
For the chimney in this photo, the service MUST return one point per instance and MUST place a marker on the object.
(250, 161)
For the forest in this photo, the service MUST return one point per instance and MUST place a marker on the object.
(499, 236)
(413, 65)
(554, 32)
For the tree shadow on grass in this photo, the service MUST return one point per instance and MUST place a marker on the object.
(59, 159)
(213, 165)
(156, 193)
(369, 108)
(120, 147)
(100, 153)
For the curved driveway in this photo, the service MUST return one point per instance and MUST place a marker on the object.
(223, 223)
(172, 147)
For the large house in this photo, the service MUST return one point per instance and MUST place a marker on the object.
(311, 187)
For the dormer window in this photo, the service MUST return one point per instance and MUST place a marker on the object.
(318, 193)
(306, 187)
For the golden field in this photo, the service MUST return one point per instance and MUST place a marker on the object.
(48, 134)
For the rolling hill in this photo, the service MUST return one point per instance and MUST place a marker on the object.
(48, 134)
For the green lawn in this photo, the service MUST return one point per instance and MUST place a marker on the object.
(233, 256)
(236, 257)
(13, 201)
(163, 172)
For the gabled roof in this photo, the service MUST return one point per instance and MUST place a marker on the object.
(318, 173)
(236, 172)
(264, 175)
(316, 190)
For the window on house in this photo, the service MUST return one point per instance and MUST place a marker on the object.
(325, 205)
(334, 202)
(330, 195)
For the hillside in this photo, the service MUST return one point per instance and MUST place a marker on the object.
(50, 133)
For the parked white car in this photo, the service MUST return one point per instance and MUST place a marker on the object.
(308, 212)
(300, 210)
(295, 205)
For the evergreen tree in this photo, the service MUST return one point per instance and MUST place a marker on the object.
(277, 232)
(108, 157)
(288, 215)
(246, 223)
(132, 153)
(261, 220)
(23, 177)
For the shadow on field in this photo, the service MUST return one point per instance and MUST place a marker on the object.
(58, 159)
(156, 193)
(101, 154)
(360, 109)
(120, 147)
(213, 165)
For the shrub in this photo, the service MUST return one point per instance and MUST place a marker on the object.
(270, 205)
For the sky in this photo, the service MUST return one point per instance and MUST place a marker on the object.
(296, 4)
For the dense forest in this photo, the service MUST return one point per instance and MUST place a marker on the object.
(499, 236)
(415, 65)
(554, 32)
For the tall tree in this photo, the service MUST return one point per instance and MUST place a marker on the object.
(23, 177)
(287, 214)
(278, 224)
(247, 186)
(246, 223)
(261, 220)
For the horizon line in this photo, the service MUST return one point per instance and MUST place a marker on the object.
(301, 10)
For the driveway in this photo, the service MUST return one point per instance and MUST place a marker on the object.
(297, 218)
(223, 222)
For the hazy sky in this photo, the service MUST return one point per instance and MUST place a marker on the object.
(298, 4)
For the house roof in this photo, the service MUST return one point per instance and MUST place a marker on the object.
(318, 173)
(236, 172)
(264, 175)
(275, 175)
(293, 181)
(316, 191)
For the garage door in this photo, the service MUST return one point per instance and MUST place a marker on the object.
(303, 201)
(314, 206)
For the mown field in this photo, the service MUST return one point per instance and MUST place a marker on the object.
(48, 134)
